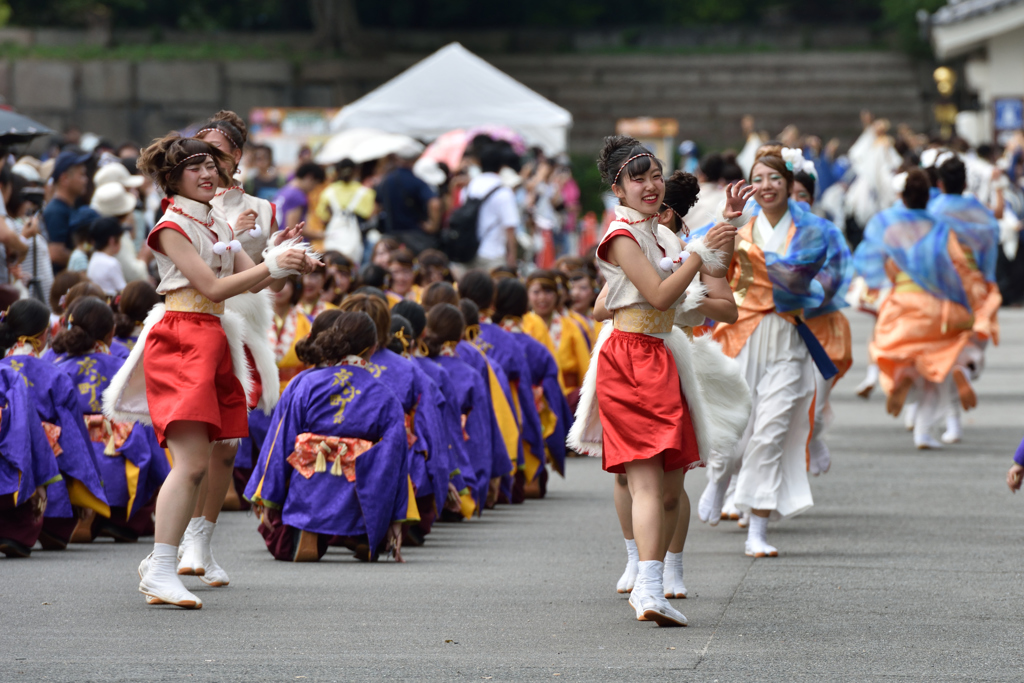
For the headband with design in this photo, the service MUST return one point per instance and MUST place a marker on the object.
(193, 156)
(635, 156)
(217, 129)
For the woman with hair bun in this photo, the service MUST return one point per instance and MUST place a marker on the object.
(788, 265)
(253, 220)
(254, 225)
(131, 463)
(442, 335)
(725, 394)
(430, 464)
(927, 320)
(203, 400)
(549, 323)
(507, 452)
(502, 350)
(336, 464)
(412, 320)
(642, 354)
(831, 327)
(511, 303)
(133, 305)
(24, 332)
(977, 232)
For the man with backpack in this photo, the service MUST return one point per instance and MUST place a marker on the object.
(497, 214)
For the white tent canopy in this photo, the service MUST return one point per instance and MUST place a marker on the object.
(453, 88)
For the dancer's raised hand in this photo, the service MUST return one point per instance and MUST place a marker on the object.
(736, 196)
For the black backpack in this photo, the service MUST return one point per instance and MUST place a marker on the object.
(459, 240)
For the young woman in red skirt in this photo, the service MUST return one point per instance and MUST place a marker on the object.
(633, 410)
(187, 374)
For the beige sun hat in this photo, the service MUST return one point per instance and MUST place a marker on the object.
(112, 199)
(115, 172)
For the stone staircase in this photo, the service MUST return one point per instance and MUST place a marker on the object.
(820, 92)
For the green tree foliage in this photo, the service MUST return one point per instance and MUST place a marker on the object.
(293, 15)
(287, 15)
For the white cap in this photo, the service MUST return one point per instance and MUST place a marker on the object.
(27, 172)
(899, 183)
(116, 173)
(429, 172)
(112, 199)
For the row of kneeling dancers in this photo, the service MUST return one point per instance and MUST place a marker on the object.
(400, 413)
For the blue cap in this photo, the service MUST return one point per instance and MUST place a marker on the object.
(66, 160)
(82, 217)
(687, 148)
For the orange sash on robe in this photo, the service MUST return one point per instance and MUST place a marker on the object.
(985, 300)
(833, 331)
(917, 330)
(752, 291)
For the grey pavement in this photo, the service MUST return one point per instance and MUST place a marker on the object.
(907, 568)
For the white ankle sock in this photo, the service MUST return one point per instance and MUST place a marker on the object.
(709, 507)
(673, 576)
(757, 538)
(186, 538)
(628, 579)
(650, 578)
(632, 554)
(163, 559)
(758, 528)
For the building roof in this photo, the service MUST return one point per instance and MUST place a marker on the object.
(961, 10)
(963, 26)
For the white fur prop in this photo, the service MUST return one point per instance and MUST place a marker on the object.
(271, 254)
(711, 258)
(714, 389)
(256, 314)
(125, 400)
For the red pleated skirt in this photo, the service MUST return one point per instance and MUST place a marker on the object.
(189, 376)
(641, 405)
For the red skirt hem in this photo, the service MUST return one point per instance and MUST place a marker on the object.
(641, 404)
(190, 377)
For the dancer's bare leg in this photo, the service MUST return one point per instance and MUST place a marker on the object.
(190, 448)
(652, 490)
(673, 577)
(646, 480)
(624, 510)
(222, 469)
(624, 505)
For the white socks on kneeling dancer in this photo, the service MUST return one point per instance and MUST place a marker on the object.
(628, 578)
(160, 582)
(757, 538)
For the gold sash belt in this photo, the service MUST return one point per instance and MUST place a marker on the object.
(188, 300)
(644, 320)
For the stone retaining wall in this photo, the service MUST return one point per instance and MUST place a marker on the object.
(821, 92)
